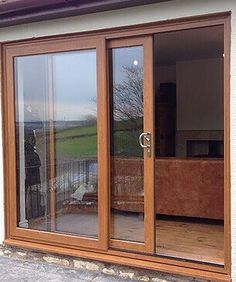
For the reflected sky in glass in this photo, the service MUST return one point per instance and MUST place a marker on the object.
(126, 57)
(74, 81)
(74, 84)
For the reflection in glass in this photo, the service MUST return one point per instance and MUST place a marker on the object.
(56, 142)
(126, 155)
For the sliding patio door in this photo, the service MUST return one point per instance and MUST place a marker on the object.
(58, 136)
(131, 144)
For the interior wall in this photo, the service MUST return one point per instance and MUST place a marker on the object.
(199, 99)
(164, 74)
(130, 16)
(199, 95)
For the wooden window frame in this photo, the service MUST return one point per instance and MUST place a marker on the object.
(80, 246)
(45, 236)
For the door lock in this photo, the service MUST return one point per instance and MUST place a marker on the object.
(145, 142)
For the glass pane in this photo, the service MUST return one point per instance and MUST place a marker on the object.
(75, 128)
(127, 193)
(56, 137)
(32, 142)
(189, 165)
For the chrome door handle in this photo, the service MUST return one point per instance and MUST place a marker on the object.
(145, 136)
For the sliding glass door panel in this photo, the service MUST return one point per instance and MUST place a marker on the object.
(127, 221)
(56, 142)
(131, 145)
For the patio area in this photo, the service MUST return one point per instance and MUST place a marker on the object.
(19, 265)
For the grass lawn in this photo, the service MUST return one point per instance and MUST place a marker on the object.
(77, 147)
(76, 142)
(76, 131)
(79, 142)
(126, 144)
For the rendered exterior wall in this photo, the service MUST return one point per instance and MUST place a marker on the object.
(126, 17)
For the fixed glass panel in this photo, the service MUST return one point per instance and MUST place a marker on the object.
(189, 163)
(56, 142)
(127, 182)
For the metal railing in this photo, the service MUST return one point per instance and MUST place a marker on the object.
(69, 176)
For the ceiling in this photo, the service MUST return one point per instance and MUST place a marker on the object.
(189, 44)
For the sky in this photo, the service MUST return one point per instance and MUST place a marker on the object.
(74, 82)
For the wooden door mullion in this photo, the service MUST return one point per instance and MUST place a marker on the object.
(149, 102)
(103, 145)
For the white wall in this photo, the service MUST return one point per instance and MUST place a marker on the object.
(142, 14)
(199, 88)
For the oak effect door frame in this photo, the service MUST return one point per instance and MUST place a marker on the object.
(49, 237)
(148, 126)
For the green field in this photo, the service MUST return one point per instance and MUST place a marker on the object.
(76, 142)
(76, 131)
(79, 142)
